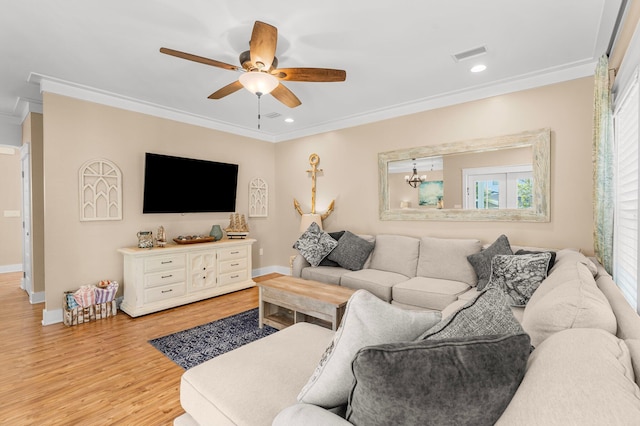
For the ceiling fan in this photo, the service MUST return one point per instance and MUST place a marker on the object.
(259, 67)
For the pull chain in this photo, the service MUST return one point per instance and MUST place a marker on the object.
(259, 95)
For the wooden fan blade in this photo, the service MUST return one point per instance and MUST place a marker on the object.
(226, 90)
(285, 96)
(263, 45)
(310, 74)
(199, 59)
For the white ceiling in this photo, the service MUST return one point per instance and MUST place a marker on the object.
(397, 55)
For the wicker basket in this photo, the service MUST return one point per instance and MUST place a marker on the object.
(79, 315)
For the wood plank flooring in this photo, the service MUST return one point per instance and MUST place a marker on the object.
(99, 373)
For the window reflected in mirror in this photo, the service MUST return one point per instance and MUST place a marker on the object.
(504, 178)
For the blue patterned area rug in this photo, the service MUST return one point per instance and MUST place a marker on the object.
(196, 345)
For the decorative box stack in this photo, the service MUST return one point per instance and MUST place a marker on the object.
(90, 303)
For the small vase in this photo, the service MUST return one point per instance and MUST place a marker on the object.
(216, 232)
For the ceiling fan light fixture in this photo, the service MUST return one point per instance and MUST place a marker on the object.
(258, 82)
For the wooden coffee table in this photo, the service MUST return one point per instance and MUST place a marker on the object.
(286, 300)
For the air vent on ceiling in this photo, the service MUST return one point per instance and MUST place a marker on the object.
(471, 53)
(273, 115)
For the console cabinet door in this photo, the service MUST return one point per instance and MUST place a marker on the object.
(203, 270)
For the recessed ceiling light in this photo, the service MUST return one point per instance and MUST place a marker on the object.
(289, 120)
(478, 68)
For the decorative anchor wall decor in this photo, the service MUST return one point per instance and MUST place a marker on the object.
(314, 160)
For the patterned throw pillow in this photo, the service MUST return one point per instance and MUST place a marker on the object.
(314, 244)
(336, 236)
(552, 261)
(486, 315)
(519, 275)
(482, 261)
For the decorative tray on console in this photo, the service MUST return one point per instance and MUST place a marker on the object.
(193, 239)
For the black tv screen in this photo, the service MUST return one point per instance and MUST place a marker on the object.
(187, 185)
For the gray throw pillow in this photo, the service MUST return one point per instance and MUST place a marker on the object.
(314, 244)
(519, 275)
(351, 251)
(488, 314)
(463, 381)
(481, 262)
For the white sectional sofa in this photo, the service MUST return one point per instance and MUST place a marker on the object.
(584, 370)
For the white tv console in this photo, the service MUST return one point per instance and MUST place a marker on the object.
(177, 274)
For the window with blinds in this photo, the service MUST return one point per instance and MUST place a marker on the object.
(625, 245)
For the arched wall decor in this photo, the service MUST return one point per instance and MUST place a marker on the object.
(100, 191)
(258, 198)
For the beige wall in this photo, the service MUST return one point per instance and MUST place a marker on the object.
(10, 201)
(75, 131)
(349, 160)
(80, 253)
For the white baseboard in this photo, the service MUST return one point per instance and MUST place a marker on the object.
(276, 269)
(51, 317)
(11, 268)
(55, 316)
(37, 297)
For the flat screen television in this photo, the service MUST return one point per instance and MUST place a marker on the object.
(186, 185)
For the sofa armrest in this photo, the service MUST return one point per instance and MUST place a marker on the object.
(297, 265)
(308, 415)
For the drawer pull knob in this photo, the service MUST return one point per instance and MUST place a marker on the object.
(235, 252)
(235, 276)
(234, 264)
(167, 276)
(167, 291)
(164, 262)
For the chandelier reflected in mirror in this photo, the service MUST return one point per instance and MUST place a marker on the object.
(414, 180)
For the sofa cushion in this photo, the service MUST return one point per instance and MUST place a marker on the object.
(315, 244)
(487, 314)
(396, 253)
(464, 381)
(429, 293)
(367, 321)
(379, 283)
(481, 261)
(577, 377)
(446, 258)
(219, 391)
(325, 274)
(574, 303)
(351, 251)
(634, 350)
(566, 258)
(519, 276)
(307, 415)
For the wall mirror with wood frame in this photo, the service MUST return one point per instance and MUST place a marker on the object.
(505, 178)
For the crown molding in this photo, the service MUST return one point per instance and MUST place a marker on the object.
(103, 97)
(529, 81)
(523, 82)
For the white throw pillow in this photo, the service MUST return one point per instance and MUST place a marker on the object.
(367, 321)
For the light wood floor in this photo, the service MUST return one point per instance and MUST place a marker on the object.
(97, 373)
